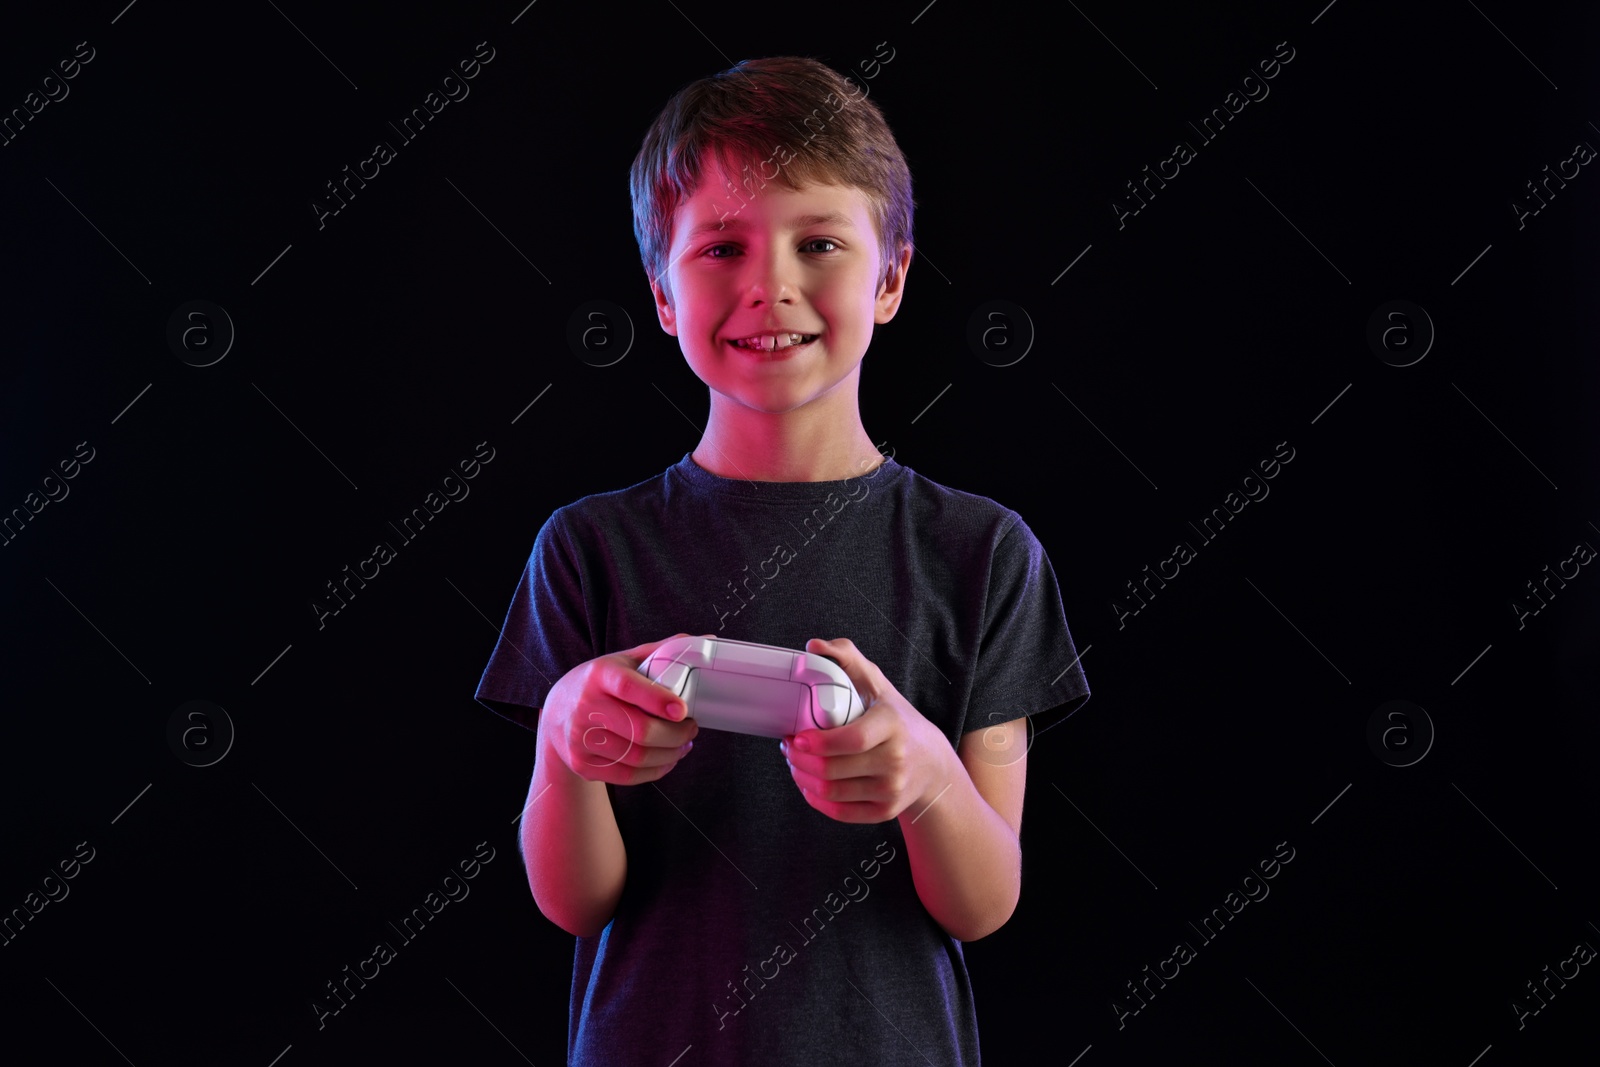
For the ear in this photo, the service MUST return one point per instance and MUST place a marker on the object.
(893, 287)
(664, 310)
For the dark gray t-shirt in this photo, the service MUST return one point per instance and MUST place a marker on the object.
(753, 928)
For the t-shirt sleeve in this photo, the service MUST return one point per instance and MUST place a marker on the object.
(546, 631)
(1027, 662)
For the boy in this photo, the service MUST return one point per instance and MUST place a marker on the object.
(757, 902)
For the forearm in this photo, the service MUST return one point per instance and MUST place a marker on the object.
(966, 861)
(571, 847)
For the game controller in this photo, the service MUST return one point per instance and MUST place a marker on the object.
(749, 688)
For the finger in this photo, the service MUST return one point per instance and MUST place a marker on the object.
(600, 748)
(628, 721)
(838, 791)
(865, 677)
(863, 813)
(639, 775)
(837, 741)
(862, 735)
(645, 758)
(623, 680)
(817, 795)
(626, 772)
(830, 768)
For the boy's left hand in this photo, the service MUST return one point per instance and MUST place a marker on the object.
(870, 770)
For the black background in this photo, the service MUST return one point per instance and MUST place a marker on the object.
(374, 353)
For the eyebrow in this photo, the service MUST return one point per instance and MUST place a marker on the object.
(801, 222)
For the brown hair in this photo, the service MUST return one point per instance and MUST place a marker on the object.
(790, 113)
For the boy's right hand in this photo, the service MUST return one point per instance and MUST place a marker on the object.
(607, 722)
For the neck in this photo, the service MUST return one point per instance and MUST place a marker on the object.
(799, 446)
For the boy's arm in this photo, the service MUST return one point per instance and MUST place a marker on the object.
(603, 722)
(963, 837)
(571, 846)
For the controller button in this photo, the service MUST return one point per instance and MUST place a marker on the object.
(832, 705)
(674, 677)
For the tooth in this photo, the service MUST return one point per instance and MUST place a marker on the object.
(771, 342)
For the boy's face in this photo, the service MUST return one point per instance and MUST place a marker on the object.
(769, 264)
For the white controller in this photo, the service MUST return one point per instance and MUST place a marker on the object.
(754, 689)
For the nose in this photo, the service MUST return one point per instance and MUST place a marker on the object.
(770, 280)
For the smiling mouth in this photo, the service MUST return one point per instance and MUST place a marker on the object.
(771, 342)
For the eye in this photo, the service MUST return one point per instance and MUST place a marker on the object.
(714, 249)
(811, 244)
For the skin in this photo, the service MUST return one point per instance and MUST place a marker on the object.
(755, 269)
(603, 721)
(960, 811)
(807, 261)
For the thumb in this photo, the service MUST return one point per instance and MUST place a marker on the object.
(856, 666)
